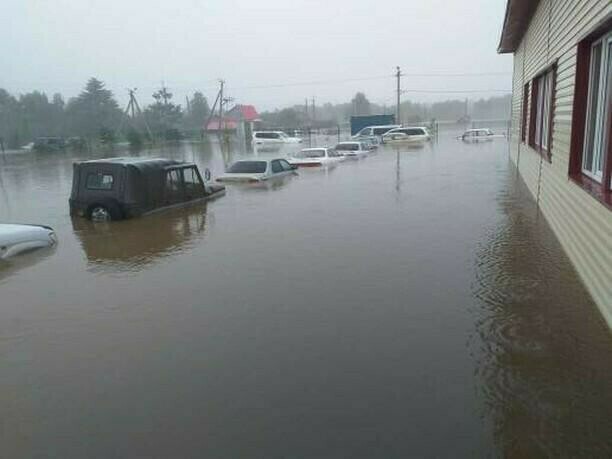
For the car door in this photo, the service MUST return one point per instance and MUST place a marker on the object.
(193, 184)
(173, 189)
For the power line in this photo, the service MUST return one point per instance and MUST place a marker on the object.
(379, 77)
(465, 91)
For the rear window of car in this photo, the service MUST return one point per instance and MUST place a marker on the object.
(248, 167)
(347, 147)
(382, 130)
(310, 154)
(99, 181)
(266, 135)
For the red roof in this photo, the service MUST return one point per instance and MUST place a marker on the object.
(244, 113)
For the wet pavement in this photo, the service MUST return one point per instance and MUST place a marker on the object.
(411, 304)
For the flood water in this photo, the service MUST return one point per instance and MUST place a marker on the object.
(411, 304)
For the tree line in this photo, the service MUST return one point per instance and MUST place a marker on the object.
(411, 112)
(96, 117)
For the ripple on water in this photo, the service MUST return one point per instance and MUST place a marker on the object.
(541, 347)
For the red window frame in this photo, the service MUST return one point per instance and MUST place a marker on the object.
(534, 142)
(601, 191)
(525, 113)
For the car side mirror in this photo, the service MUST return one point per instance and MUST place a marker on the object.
(294, 167)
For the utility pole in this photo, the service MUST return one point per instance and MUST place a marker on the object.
(398, 75)
(306, 106)
(132, 108)
(314, 113)
(221, 83)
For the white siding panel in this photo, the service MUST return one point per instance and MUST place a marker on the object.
(582, 224)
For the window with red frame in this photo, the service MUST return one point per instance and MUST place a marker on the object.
(591, 149)
(525, 112)
(540, 132)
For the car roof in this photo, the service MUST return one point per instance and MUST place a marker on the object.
(141, 164)
(314, 149)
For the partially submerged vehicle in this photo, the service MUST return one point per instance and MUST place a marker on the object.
(352, 149)
(118, 188)
(478, 135)
(372, 143)
(314, 157)
(49, 144)
(375, 131)
(407, 135)
(253, 171)
(262, 137)
(18, 239)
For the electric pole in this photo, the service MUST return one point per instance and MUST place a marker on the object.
(398, 75)
(221, 83)
(314, 116)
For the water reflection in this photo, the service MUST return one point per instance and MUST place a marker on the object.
(133, 245)
(14, 265)
(543, 353)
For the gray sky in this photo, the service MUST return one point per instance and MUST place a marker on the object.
(56, 45)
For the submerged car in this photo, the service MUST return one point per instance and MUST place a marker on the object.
(478, 135)
(375, 131)
(410, 135)
(352, 149)
(118, 188)
(257, 170)
(17, 239)
(262, 137)
(313, 157)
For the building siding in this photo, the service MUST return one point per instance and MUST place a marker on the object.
(582, 224)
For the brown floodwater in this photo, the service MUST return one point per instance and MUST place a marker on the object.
(411, 304)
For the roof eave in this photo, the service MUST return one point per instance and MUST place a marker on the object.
(516, 21)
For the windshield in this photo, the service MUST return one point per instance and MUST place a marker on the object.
(248, 167)
(347, 147)
(311, 154)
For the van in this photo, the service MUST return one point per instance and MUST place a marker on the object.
(118, 188)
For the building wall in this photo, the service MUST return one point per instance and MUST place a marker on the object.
(582, 224)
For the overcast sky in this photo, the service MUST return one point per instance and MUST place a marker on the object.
(56, 45)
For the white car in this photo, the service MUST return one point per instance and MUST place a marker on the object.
(375, 131)
(352, 149)
(478, 135)
(313, 157)
(253, 171)
(16, 239)
(410, 135)
(261, 137)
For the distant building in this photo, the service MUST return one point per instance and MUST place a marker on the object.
(241, 119)
(561, 139)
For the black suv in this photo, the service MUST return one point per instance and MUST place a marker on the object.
(117, 188)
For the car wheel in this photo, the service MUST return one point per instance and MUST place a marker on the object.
(100, 214)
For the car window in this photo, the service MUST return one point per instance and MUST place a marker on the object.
(319, 153)
(286, 166)
(99, 181)
(347, 147)
(191, 178)
(173, 181)
(276, 166)
(248, 167)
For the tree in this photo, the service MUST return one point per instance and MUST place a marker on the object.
(163, 116)
(198, 112)
(361, 105)
(94, 113)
